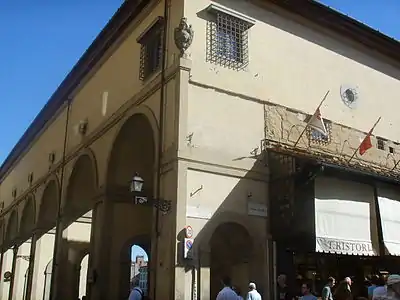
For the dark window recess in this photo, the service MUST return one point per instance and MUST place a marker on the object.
(391, 150)
(380, 144)
(227, 41)
(151, 49)
(317, 137)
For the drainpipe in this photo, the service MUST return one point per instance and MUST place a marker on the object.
(161, 137)
(59, 230)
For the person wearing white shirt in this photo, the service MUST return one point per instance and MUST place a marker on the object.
(227, 293)
(253, 294)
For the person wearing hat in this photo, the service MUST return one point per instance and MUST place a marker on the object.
(393, 287)
(253, 294)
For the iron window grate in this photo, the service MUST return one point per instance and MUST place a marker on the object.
(227, 41)
(317, 137)
(151, 50)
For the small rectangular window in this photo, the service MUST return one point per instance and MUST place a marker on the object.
(151, 49)
(380, 144)
(317, 137)
(227, 41)
(391, 150)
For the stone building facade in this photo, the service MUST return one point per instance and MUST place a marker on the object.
(192, 96)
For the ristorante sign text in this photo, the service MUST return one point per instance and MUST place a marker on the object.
(344, 247)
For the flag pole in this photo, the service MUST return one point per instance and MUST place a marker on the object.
(305, 128)
(395, 165)
(369, 133)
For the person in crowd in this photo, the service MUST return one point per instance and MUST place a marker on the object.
(393, 287)
(380, 291)
(374, 284)
(238, 292)
(343, 291)
(253, 294)
(227, 293)
(306, 291)
(283, 291)
(327, 290)
(136, 292)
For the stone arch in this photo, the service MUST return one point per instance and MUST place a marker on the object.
(12, 227)
(231, 248)
(27, 222)
(82, 185)
(49, 205)
(134, 150)
(143, 241)
(137, 133)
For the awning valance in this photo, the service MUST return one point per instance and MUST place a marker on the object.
(345, 218)
(389, 207)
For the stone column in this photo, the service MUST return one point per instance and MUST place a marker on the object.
(13, 268)
(29, 280)
(100, 262)
(205, 276)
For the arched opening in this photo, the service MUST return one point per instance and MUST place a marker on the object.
(133, 152)
(82, 188)
(46, 222)
(28, 218)
(83, 271)
(47, 280)
(77, 221)
(12, 228)
(138, 256)
(231, 249)
(49, 206)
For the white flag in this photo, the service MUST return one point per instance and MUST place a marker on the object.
(317, 122)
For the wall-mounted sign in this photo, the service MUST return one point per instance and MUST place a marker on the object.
(188, 244)
(344, 247)
(257, 209)
(189, 232)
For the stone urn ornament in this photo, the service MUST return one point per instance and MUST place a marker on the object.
(183, 36)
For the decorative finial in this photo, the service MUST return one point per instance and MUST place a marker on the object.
(183, 36)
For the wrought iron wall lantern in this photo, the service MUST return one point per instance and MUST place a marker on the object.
(136, 189)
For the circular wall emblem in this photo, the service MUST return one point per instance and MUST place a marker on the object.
(349, 95)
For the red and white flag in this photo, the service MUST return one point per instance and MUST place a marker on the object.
(366, 143)
(317, 122)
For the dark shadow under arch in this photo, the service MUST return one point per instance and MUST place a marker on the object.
(82, 186)
(49, 206)
(230, 245)
(133, 151)
(12, 228)
(27, 223)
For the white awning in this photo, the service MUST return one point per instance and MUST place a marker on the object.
(345, 218)
(389, 207)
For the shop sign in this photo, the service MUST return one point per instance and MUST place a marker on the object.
(256, 209)
(344, 247)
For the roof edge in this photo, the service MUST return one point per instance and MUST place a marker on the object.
(332, 19)
(115, 27)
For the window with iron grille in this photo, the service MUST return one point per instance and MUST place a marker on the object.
(151, 49)
(318, 137)
(227, 41)
(380, 143)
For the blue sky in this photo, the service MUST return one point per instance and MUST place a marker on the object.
(41, 42)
